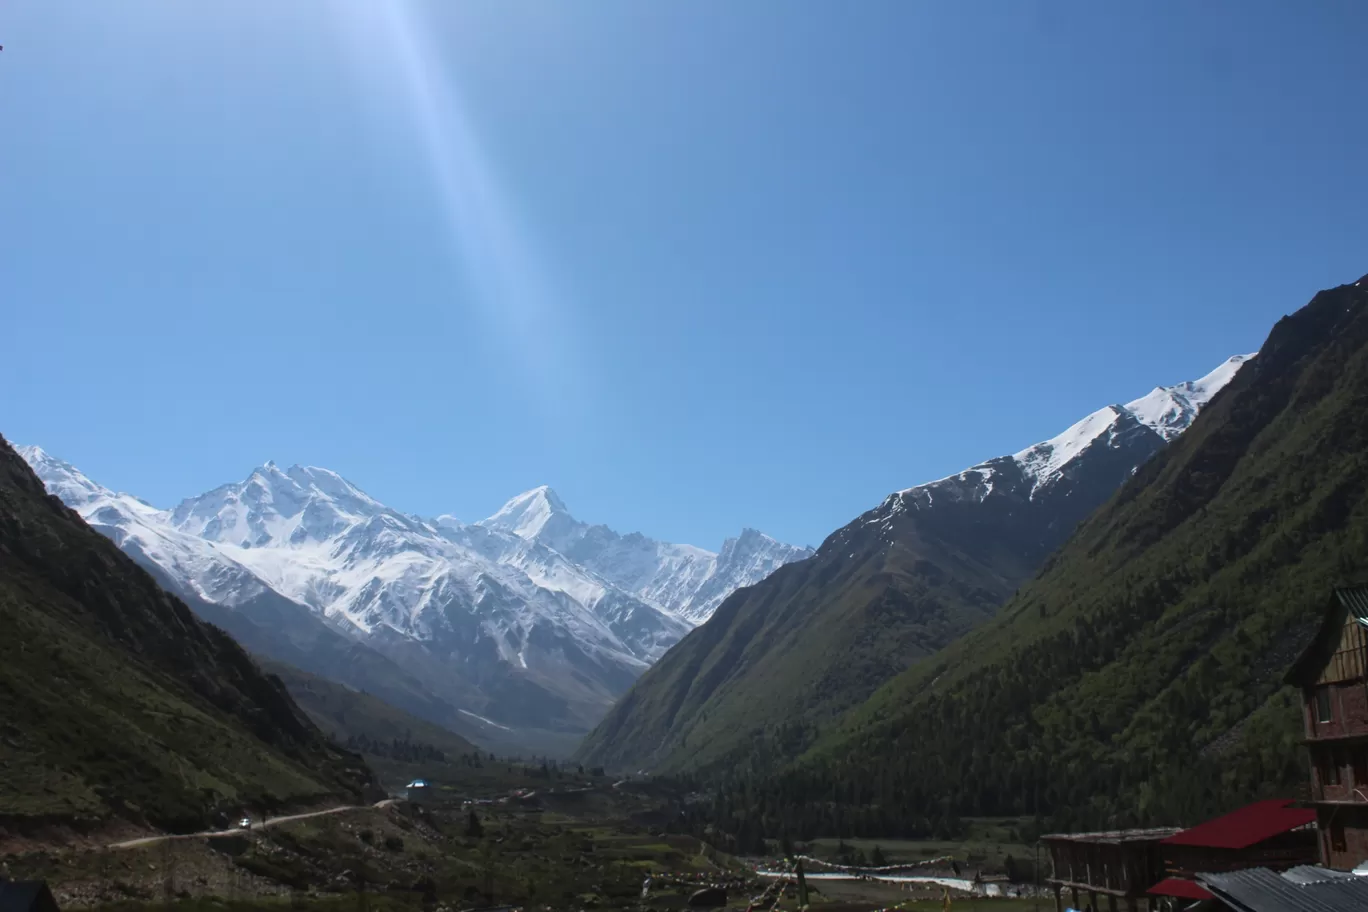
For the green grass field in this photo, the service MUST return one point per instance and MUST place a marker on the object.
(986, 846)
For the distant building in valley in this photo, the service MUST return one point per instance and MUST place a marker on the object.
(1333, 676)
(418, 792)
(1272, 835)
(26, 896)
(1120, 865)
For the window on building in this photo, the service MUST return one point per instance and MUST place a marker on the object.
(1329, 769)
(1360, 757)
(1323, 704)
(1337, 843)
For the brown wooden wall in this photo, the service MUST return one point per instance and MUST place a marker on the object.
(1122, 868)
(1343, 832)
(1348, 710)
(1348, 661)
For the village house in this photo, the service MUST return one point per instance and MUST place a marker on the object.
(1332, 673)
(1120, 865)
(1260, 858)
(1273, 835)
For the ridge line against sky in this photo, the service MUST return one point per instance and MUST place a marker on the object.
(697, 267)
(430, 514)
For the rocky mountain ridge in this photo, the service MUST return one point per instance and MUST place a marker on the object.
(119, 703)
(779, 660)
(494, 624)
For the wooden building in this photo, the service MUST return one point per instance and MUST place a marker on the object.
(1120, 865)
(1273, 835)
(1333, 676)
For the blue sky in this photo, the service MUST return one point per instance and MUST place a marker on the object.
(697, 265)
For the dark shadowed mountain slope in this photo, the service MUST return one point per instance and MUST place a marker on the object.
(783, 657)
(301, 644)
(350, 715)
(118, 702)
(1138, 678)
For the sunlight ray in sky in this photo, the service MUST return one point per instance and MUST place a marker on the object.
(506, 282)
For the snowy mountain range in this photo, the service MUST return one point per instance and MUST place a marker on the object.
(780, 660)
(519, 629)
(684, 580)
(1142, 426)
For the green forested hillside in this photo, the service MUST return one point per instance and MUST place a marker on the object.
(1137, 678)
(782, 659)
(117, 702)
(813, 639)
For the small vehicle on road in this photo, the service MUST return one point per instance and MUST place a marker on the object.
(245, 823)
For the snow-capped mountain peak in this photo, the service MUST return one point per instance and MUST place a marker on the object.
(334, 486)
(273, 506)
(684, 580)
(75, 489)
(530, 616)
(144, 532)
(528, 514)
(35, 455)
(62, 478)
(1168, 410)
(751, 540)
(1044, 460)
(1164, 414)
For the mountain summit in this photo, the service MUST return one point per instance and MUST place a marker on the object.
(1138, 677)
(1168, 410)
(531, 513)
(896, 584)
(526, 514)
(516, 630)
(1137, 429)
(682, 579)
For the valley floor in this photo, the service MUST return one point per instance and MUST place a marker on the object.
(545, 839)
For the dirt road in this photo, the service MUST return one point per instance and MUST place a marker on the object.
(150, 840)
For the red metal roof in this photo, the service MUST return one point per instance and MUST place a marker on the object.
(1247, 826)
(1183, 889)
